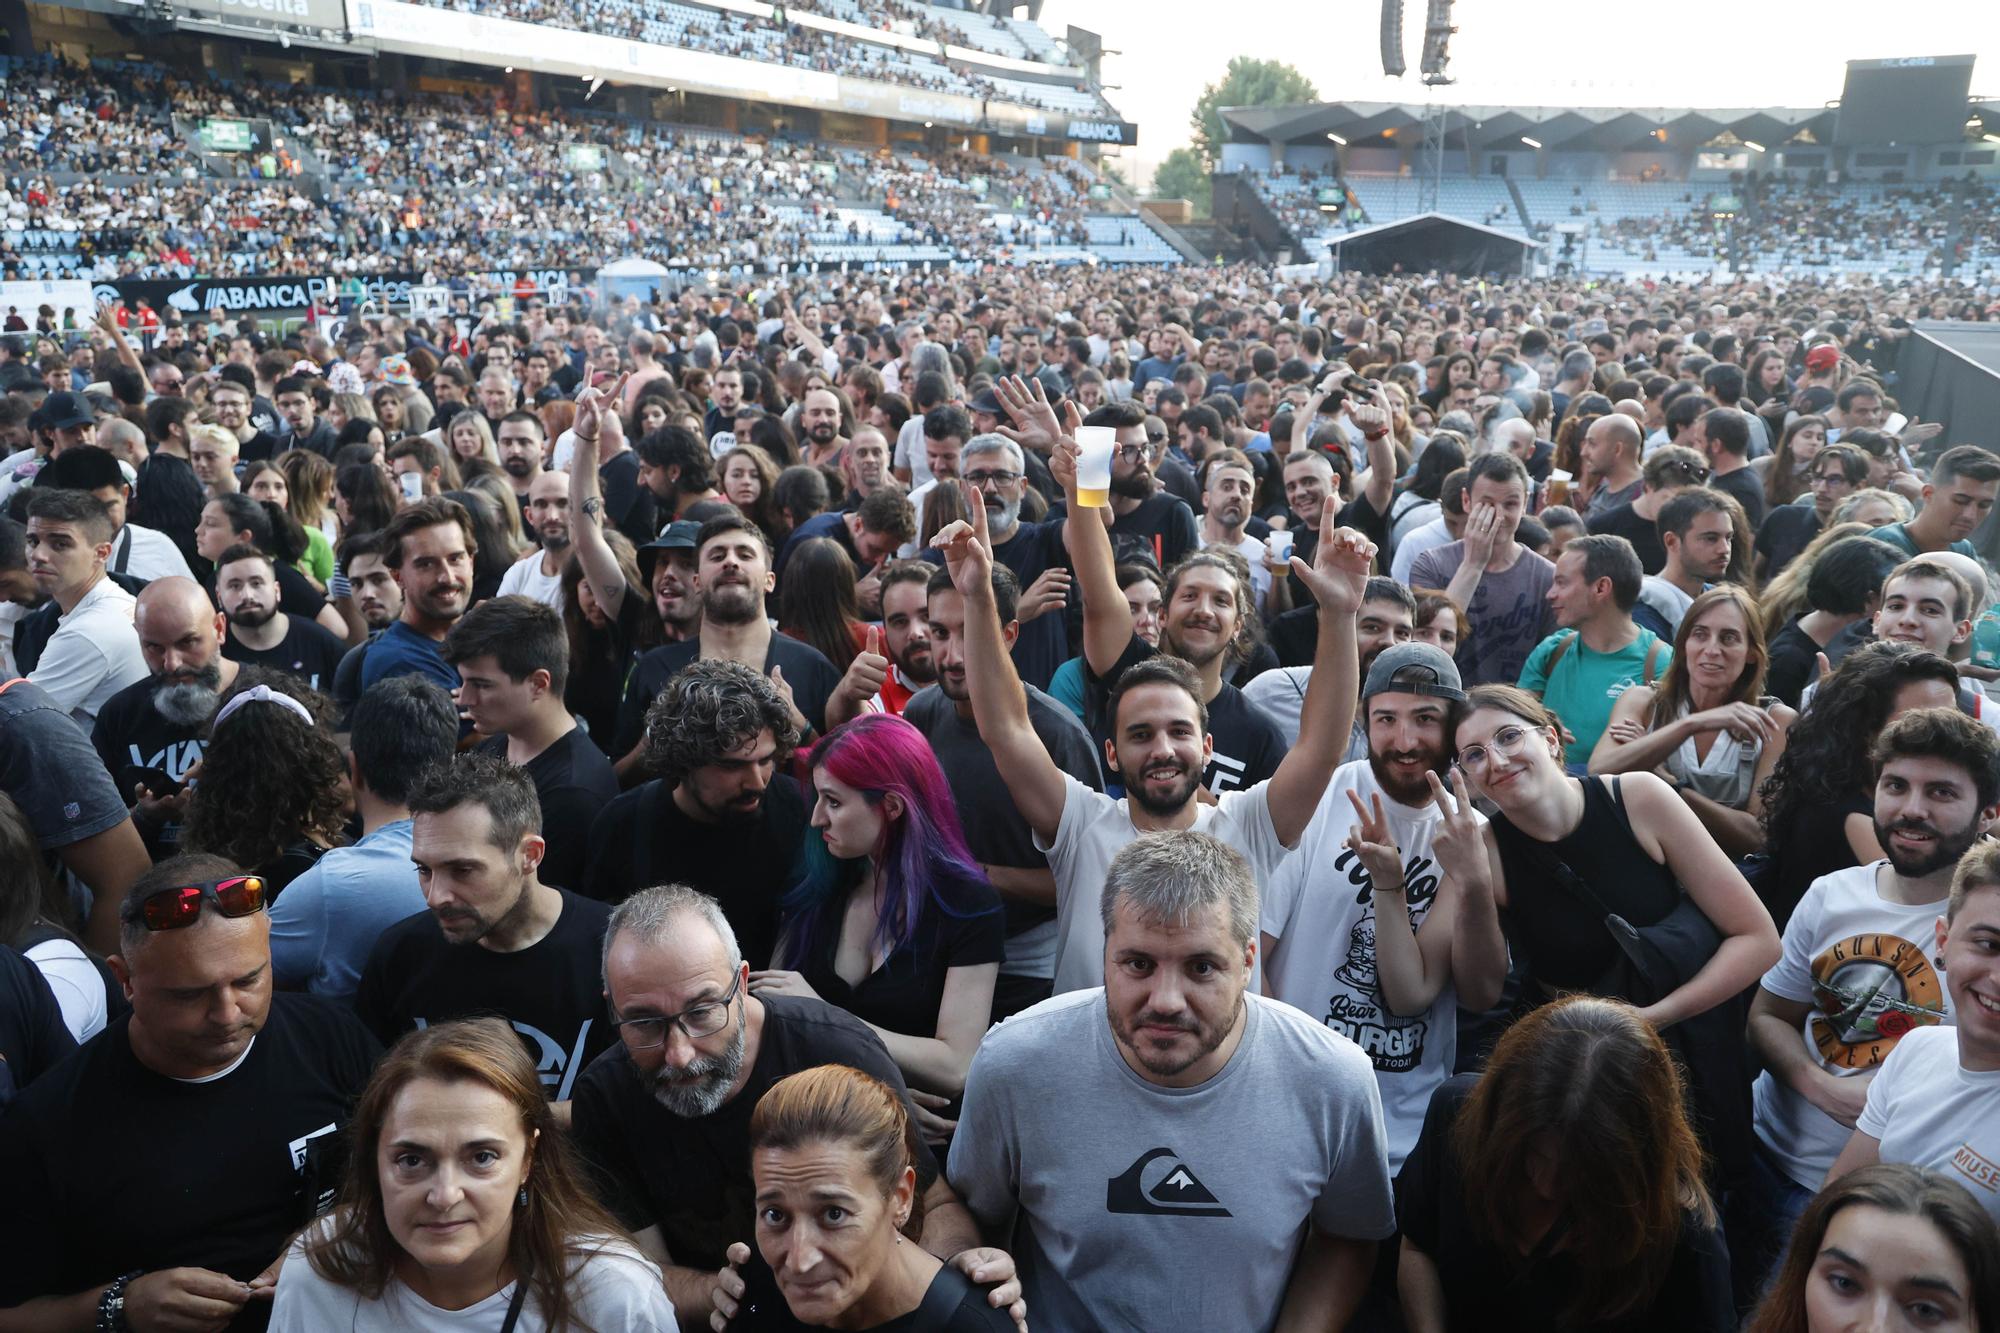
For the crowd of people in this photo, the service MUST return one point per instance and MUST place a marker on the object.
(1044, 798)
(448, 185)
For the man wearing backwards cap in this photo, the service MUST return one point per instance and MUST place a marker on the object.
(1365, 926)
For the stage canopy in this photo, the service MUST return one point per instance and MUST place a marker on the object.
(1432, 242)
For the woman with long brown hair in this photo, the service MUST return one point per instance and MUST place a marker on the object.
(1883, 1240)
(1562, 1189)
(1789, 473)
(463, 1203)
(817, 602)
(1706, 725)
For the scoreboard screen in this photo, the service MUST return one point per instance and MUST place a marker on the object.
(1912, 100)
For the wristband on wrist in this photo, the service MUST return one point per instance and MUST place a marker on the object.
(1396, 888)
(1372, 436)
(111, 1305)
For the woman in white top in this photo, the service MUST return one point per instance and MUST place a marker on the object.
(1935, 1103)
(464, 1209)
(31, 910)
(1706, 725)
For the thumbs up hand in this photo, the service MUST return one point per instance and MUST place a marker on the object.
(868, 671)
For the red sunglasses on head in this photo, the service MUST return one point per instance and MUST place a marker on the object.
(172, 909)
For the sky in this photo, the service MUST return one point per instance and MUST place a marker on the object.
(1766, 53)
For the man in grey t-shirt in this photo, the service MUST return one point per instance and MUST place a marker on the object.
(1502, 585)
(1168, 1150)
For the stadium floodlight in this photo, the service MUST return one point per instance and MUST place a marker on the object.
(1336, 138)
(1532, 143)
(1753, 146)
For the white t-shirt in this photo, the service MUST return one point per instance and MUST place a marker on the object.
(615, 1288)
(525, 577)
(1859, 960)
(910, 451)
(1927, 1110)
(1427, 538)
(1093, 829)
(146, 554)
(1320, 907)
(93, 654)
(76, 983)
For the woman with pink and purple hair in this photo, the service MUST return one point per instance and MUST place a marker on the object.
(894, 921)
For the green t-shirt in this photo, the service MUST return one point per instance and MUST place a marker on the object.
(1898, 536)
(1584, 684)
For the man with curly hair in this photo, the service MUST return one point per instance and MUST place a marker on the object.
(723, 816)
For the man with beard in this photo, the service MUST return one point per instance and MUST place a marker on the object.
(998, 837)
(1171, 1149)
(428, 547)
(867, 466)
(1159, 742)
(495, 939)
(538, 574)
(1229, 491)
(1381, 959)
(896, 662)
(246, 583)
(160, 722)
(1857, 971)
(521, 442)
(733, 576)
(820, 418)
(871, 532)
(723, 816)
(667, 564)
(664, 1118)
(676, 466)
(725, 391)
(993, 465)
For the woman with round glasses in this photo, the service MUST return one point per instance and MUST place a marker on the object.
(464, 1208)
(1561, 853)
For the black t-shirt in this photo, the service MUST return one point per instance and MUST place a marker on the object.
(1787, 530)
(959, 925)
(831, 525)
(1643, 533)
(1489, 1285)
(111, 1167)
(167, 497)
(550, 991)
(1794, 657)
(807, 671)
(1748, 488)
(32, 1034)
(1044, 642)
(1180, 482)
(309, 651)
(347, 678)
(1162, 529)
(643, 838)
(597, 681)
(131, 733)
(1370, 522)
(575, 782)
(627, 504)
(1248, 744)
(952, 1304)
(691, 1177)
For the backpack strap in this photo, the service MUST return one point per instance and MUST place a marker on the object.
(1652, 658)
(1561, 648)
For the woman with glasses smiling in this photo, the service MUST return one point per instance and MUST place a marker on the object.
(1563, 852)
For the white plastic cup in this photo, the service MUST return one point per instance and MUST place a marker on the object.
(1279, 544)
(1093, 467)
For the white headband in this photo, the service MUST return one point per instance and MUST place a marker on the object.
(262, 694)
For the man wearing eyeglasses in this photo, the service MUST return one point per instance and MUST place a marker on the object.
(156, 1175)
(664, 1118)
(1837, 471)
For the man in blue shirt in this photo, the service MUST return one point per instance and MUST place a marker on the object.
(326, 921)
(429, 547)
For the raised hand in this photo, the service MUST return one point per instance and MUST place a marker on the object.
(1062, 465)
(592, 406)
(1372, 840)
(1340, 564)
(1027, 405)
(869, 670)
(1370, 418)
(1458, 844)
(966, 547)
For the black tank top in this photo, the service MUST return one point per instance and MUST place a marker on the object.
(1560, 936)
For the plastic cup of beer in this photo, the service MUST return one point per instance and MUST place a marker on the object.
(1279, 544)
(1093, 466)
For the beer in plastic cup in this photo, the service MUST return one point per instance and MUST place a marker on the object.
(1279, 543)
(1093, 467)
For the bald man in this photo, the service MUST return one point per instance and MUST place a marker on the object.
(538, 574)
(1611, 455)
(156, 724)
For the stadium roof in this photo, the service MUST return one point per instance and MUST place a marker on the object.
(1592, 129)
